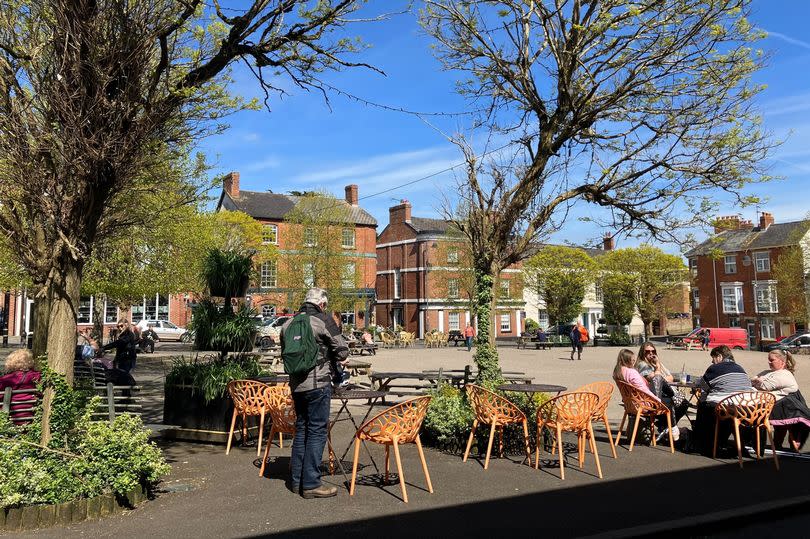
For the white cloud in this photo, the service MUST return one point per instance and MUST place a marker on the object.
(787, 105)
(264, 164)
(788, 39)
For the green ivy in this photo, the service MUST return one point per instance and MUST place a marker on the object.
(211, 377)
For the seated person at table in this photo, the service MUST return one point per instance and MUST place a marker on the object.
(723, 378)
(790, 413)
(540, 335)
(20, 373)
(625, 372)
(366, 337)
(658, 378)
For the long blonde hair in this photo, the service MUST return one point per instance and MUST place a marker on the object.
(20, 360)
(625, 359)
(790, 363)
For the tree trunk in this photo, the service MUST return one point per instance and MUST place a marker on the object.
(98, 317)
(61, 331)
(42, 309)
(486, 354)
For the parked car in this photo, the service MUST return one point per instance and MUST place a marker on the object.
(791, 343)
(269, 330)
(165, 330)
(735, 338)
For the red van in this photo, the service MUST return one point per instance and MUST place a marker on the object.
(734, 338)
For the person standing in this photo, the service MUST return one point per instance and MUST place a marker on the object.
(312, 393)
(125, 345)
(576, 341)
(469, 335)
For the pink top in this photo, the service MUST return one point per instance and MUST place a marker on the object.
(20, 380)
(632, 377)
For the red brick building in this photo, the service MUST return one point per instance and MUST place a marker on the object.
(358, 245)
(419, 274)
(732, 284)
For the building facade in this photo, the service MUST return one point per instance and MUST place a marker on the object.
(423, 280)
(732, 276)
(356, 252)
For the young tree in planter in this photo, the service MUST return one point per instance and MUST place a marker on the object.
(560, 275)
(95, 95)
(650, 275)
(643, 108)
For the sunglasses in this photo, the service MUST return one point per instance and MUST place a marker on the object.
(120, 325)
(649, 351)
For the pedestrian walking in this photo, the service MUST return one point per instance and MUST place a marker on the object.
(469, 335)
(579, 336)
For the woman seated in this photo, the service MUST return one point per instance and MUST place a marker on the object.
(21, 373)
(658, 378)
(790, 413)
(722, 379)
(625, 372)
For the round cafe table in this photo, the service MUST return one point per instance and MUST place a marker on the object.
(532, 388)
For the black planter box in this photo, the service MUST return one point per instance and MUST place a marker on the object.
(186, 408)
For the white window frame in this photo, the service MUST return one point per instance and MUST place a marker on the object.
(734, 322)
(454, 321)
(89, 300)
(765, 298)
(452, 289)
(542, 318)
(268, 310)
(397, 283)
(309, 274)
(310, 239)
(506, 322)
(269, 234)
(762, 262)
(730, 264)
(347, 240)
(349, 272)
(696, 298)
(107, 320)
(693, 267)
(505, 289)
(598, 293)
(268, 277)
(452, 256)
(736, 297)
(767, 328)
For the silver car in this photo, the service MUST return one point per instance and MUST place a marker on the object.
(166, 331)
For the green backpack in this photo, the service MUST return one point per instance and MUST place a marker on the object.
(299, 351)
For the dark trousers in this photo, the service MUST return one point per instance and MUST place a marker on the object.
(469, 343)
(311, 422)
(704, 429)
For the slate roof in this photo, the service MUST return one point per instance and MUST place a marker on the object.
(264, 205)
(424, 225)
(776, 235)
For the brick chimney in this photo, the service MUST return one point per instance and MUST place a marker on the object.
(608, 244)
(231, 184)
(400, 213)
(351, 194)
(765, 220)
(729, 222)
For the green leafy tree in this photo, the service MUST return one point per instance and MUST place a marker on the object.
(315, 255)
(791, 283)
(560, 276)
(649, 275)
(618, 303)
(98, 95)
(641, 108)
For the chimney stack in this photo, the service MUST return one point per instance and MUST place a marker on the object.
(765, 220)
(608, 244)
(730, 222)
(400, 213)
(231, 184)
(351, 194)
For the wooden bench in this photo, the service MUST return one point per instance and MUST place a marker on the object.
(356, 348)
(523, 341)
(455, 336)
(24, 408)
(116, 400)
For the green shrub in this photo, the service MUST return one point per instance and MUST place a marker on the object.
(450, 416)
(531, 326)
(84, 458)
(620, 339)
(227, 272)
(224, 332)
(210, 377)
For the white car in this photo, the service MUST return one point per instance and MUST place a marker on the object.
(166, 331)
(269, 330)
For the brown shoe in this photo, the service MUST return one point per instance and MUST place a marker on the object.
(323, 491)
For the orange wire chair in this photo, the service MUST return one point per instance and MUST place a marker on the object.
(248, 400)
(394, 426)
(496, 411)
(748, 408)
(640, 404)
(280, 405)
(570, 412)
(604, 390)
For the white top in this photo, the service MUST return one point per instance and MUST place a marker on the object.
(779, 383)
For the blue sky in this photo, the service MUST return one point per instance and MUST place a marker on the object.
(303, 145)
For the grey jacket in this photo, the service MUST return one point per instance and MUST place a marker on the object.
(333, 348)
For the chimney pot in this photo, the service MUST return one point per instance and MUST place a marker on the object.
(400, 213)
(608, 243)
(231, 184)
(765, 220)
(352, 194)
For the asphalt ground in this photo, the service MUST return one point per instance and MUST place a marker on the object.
(647, 492)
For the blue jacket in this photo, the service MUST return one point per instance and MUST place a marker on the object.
(575, 336)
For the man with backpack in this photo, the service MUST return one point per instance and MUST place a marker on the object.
(311, 347)
(579, 337)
